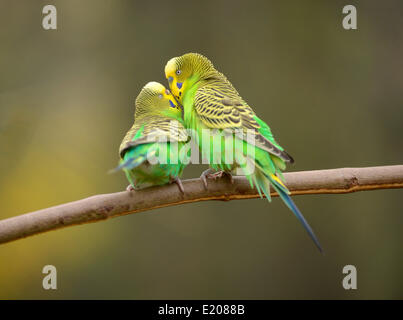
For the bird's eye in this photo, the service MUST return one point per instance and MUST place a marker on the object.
(178, 72)
(160, 96)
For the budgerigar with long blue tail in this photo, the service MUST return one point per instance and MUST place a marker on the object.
(209, 101)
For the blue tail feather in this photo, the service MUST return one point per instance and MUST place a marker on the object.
(129, 164)
(290, 204)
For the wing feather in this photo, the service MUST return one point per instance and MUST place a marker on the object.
(219, 106)
(154, 130)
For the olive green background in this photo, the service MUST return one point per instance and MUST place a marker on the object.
(332, 97)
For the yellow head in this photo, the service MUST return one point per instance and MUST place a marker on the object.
(184, 71)
(155, 99)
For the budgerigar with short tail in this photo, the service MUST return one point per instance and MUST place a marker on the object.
(157, 133)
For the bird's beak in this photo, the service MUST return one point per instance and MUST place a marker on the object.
(175, 87)
(170, 81)
(173, 100)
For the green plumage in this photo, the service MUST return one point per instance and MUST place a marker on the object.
(211, 102)
(150, 150)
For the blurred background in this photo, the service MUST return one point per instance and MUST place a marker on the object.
(332, 97)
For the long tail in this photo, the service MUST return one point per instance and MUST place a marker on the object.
(284, 194)
(262, 181)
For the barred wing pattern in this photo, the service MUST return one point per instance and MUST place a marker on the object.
(218, 105)
(154, 130)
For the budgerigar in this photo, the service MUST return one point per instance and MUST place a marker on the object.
(157, 133)
(209, 101)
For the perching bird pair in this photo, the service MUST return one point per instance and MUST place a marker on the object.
(201, 100)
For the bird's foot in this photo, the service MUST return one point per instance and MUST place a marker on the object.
(179, 183)
(220, 174)
(210, 173)
(129, 188)
(206, 174)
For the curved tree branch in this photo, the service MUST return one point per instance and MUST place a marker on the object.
(101, 207)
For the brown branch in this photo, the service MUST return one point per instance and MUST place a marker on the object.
(102, 207)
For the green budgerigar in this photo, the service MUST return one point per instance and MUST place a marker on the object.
(210, 103)
(150, 150)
